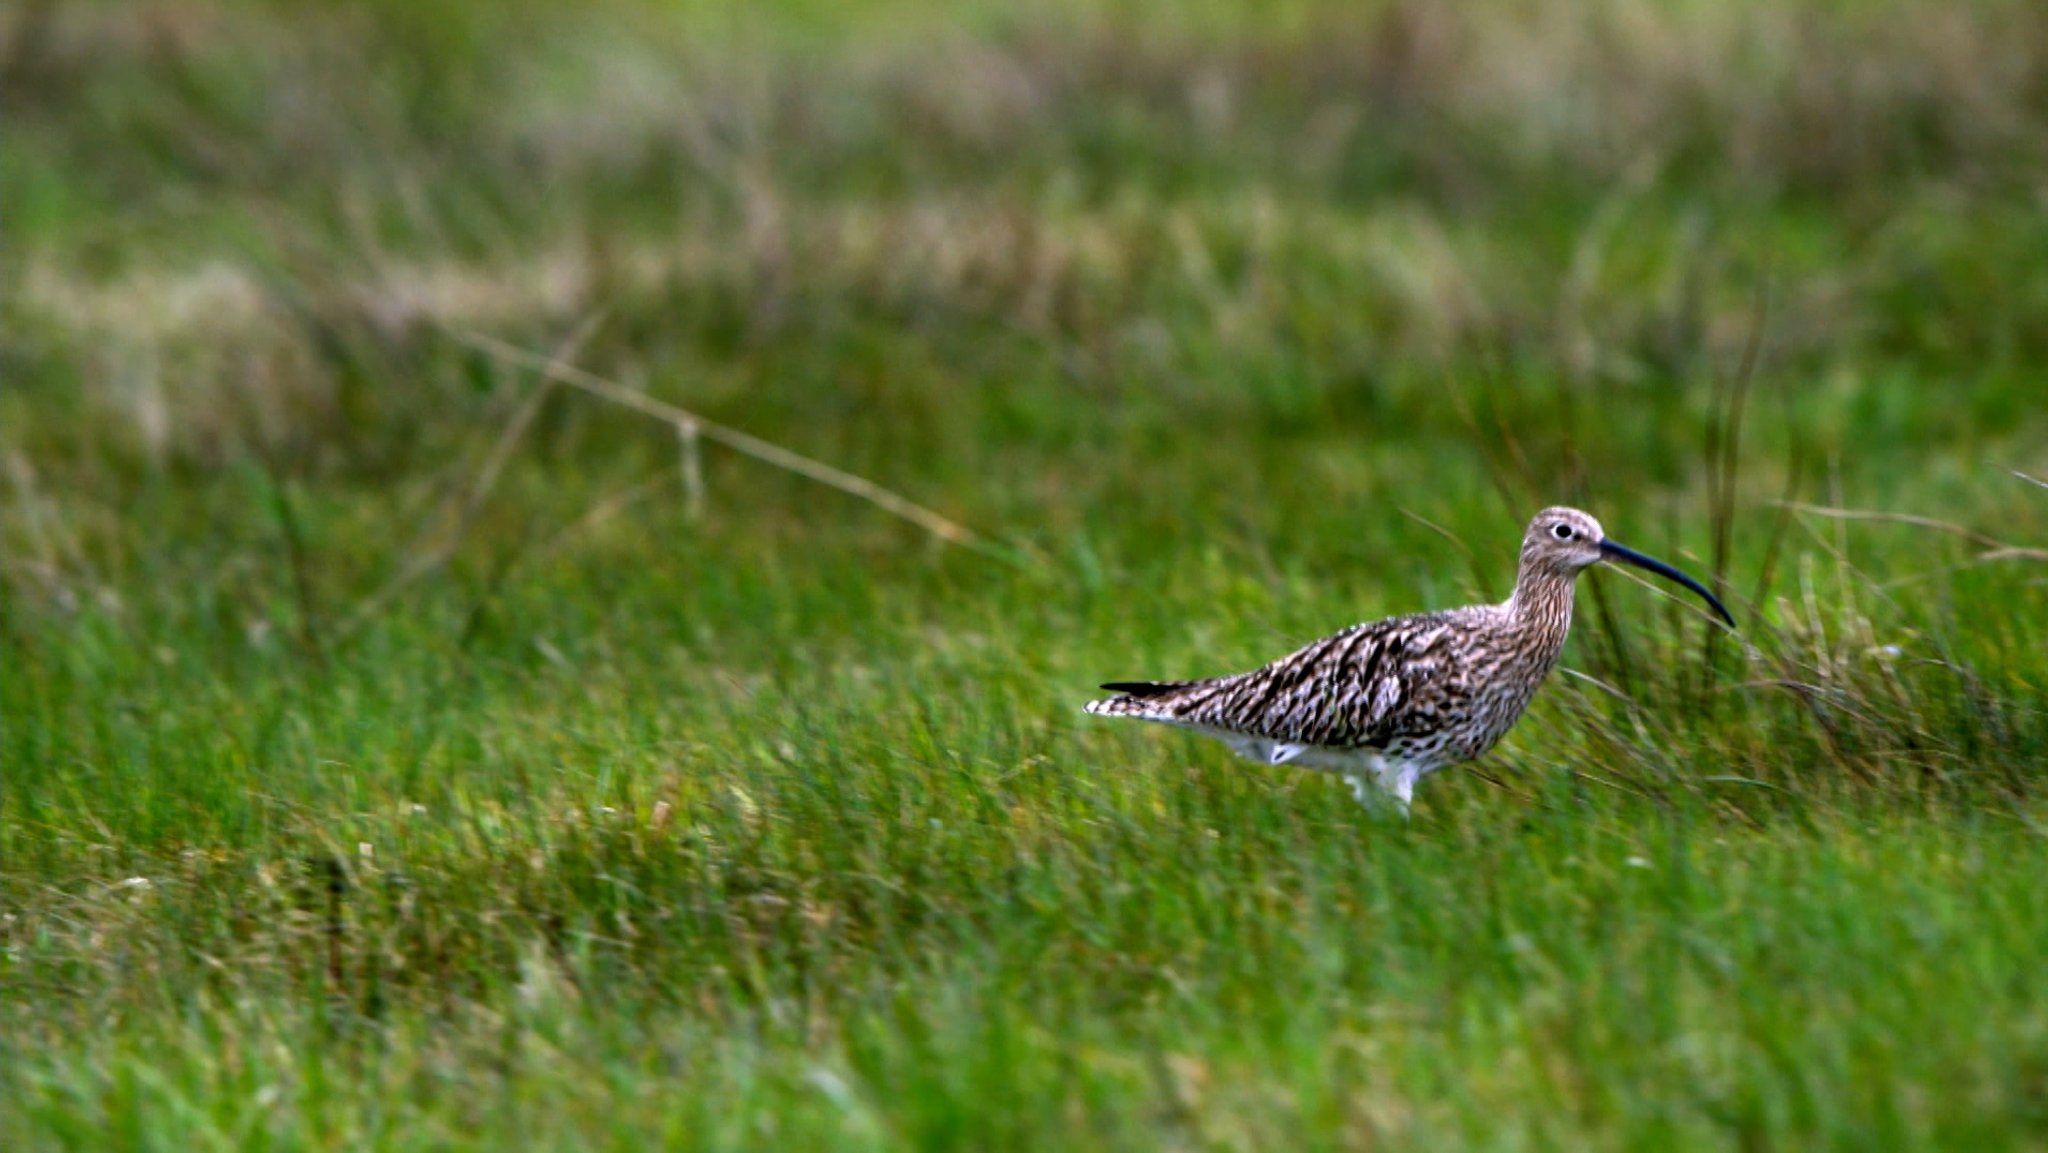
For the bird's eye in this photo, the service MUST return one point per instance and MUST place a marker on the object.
(1562, 532)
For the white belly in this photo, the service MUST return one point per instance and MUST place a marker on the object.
(1359, 766)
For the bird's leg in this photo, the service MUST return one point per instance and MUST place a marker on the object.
(1404, 788)
(1358, 789)
(1374, 794)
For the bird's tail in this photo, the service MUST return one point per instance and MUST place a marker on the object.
(1135, 700)
(1145, 688)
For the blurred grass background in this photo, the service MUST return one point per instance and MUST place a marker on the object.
(394, 753)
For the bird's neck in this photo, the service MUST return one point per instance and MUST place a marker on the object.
(1541, 606)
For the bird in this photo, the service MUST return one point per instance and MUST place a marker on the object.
(1387, 702)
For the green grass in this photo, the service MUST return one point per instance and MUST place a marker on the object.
(775, 823)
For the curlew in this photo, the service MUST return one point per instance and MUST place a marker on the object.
(1391, 701)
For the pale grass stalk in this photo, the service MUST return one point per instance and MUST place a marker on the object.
(766, 452)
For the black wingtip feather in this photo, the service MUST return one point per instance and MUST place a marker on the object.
(1137, 688)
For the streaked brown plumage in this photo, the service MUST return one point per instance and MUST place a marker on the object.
(1393, 700)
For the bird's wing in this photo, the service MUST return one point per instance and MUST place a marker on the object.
(1361, 687)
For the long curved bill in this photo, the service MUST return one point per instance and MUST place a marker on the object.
(1612, 551)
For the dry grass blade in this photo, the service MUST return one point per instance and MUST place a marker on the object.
(428, 560)
(764, 451)
(692, 461)
(1994, 549)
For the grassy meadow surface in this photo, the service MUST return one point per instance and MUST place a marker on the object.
(400, 751)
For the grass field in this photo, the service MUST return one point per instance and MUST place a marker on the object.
(403, 748)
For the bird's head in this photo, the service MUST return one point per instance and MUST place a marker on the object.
(1564, 542)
